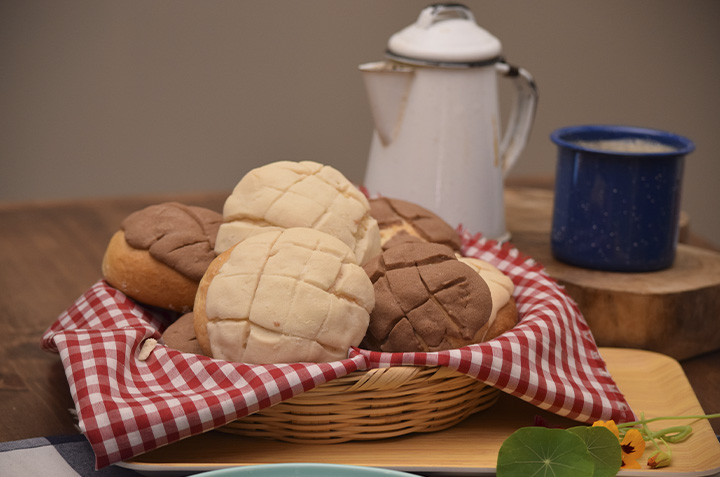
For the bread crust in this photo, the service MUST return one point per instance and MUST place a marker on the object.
(506, 319)
(286, 194)
(200, 320)
(295, 295)
(507, 316)
(426, 300)
(180, 335)
(142, 278)
(403, 220)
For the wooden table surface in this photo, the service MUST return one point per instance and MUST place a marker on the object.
(50, 253)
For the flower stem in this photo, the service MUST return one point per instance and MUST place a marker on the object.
(667, 418)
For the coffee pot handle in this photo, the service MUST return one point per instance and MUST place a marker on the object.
(522, 115)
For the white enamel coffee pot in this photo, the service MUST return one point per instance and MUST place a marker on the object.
(437, 139)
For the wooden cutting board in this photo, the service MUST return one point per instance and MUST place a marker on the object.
(653, 384)
(675, 311)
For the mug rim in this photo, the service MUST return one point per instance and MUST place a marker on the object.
(565, 136)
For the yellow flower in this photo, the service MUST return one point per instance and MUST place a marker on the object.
(609, 425)
(633, 442)
(633, 447)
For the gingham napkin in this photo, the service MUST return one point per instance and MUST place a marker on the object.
(126, 406)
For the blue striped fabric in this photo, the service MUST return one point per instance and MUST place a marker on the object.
(59, 456)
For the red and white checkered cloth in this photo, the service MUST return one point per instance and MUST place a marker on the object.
(126, 406)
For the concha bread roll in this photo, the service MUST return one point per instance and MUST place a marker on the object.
(400, 220)
(180, 335)
(504, 313)
(161, 252)
(289, 295)
(288, 194)
(425, 300)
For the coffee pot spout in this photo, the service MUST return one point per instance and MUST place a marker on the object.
(388, 86)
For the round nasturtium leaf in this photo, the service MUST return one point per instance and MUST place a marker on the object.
(543, 452)
(604, 448)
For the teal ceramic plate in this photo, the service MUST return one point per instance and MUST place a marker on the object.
(304, 470)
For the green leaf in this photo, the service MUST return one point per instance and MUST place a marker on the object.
(604, 448)
(540, 452)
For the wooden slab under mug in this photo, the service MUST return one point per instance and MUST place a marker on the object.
(674, 311)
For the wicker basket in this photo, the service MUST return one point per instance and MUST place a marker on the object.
(374, 404)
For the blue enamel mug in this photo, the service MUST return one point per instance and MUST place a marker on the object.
(617, 197)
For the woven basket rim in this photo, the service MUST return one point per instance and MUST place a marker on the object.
(371, 404)
(389, 377)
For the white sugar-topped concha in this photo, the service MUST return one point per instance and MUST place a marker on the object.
(288, 194)
(289, 295)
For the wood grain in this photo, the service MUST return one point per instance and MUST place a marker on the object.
(652, 383)
(50, 253)
(672, 311)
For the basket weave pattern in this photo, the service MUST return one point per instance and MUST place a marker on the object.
(374, 404)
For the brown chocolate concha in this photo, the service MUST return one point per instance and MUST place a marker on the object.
(180, 335)
(425, 300)
(399, 219)
(161, 252)
(179, 236)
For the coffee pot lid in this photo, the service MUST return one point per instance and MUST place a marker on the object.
(444, 33)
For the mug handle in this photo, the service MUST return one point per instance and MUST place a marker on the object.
(521, 117)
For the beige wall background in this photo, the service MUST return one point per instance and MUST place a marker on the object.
(101, 98)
